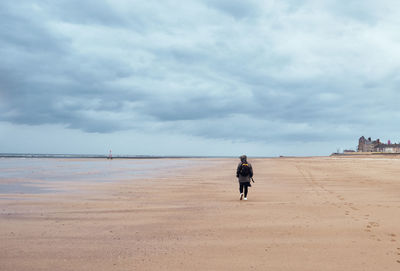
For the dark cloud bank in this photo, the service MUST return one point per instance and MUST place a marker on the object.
(234, 70)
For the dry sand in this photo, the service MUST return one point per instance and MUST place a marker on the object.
(321, 213)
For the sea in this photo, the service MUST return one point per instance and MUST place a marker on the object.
(39, 173)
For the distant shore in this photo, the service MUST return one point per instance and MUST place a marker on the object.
(366, 154)
(41, 155)
(127, 156)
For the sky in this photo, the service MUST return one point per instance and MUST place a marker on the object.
(198, 77)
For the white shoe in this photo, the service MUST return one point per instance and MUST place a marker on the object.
(241, 196)
(245, 198)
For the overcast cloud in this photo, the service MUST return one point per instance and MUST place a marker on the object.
(318, 73)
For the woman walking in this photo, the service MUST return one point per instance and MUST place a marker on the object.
(244, 172)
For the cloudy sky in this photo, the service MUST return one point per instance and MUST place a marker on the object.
(198, 77)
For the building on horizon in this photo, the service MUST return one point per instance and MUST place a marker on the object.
(368, 145)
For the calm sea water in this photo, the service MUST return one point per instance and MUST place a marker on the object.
(30, 175)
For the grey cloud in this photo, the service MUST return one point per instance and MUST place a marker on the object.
(188, 108)
(241, 128)
(236, 8)
(358, 10)
(84, 12)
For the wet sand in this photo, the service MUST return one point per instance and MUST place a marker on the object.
(322, 213)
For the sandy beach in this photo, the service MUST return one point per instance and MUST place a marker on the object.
(317, 213)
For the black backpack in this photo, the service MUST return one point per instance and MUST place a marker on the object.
(245, 169)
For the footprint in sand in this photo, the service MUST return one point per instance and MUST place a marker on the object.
(392, 235)
(368, 229)
(373, 224)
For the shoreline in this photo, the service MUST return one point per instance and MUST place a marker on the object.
(96, 156)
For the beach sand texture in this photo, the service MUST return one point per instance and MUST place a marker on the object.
(319, 213)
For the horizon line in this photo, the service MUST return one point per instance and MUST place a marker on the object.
(136, 156)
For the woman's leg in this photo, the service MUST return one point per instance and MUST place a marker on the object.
(246, 189)
(241, 185)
